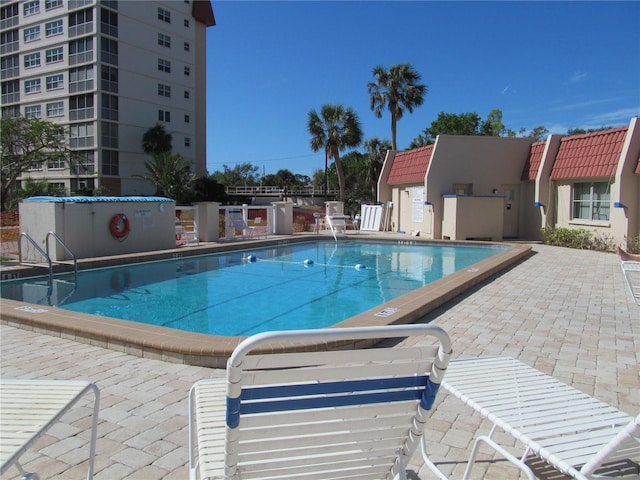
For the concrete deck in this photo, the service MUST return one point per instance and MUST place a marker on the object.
(566, 312)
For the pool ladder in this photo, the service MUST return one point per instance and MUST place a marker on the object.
(46, 254)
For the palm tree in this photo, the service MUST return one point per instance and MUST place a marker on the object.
(335, 129)
(171, 175)
(374, 159)
(156, 140)
(398, 89)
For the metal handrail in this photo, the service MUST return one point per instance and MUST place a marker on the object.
(37, 247)
(69, 252)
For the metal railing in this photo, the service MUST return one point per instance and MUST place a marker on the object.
(275, 191)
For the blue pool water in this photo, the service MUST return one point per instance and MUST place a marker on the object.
(305, 285)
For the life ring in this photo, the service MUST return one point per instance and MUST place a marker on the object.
(119, 226)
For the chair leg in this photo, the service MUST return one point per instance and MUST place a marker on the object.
(427, 461)
(487, 439)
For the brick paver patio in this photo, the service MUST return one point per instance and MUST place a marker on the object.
(565, 312)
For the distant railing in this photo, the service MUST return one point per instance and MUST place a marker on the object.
(275, 190)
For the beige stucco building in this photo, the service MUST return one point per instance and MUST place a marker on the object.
(474, 187)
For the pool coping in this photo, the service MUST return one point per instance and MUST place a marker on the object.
(165, 344)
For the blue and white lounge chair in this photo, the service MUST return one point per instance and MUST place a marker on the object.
(289, 408)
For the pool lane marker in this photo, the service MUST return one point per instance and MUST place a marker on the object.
(307, 262)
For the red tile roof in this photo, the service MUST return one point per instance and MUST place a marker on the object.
(532, 165)
(410, 166)
(593, 154)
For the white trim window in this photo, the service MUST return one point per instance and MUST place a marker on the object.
(32, 60)
(32, 34)
(33, 111)
(54, 55)
(55, 109)
(591, 201)
(31, 8)
(53, 28)
(32, 86)
(55, 82)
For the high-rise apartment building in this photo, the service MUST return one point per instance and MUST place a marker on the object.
(109, 71)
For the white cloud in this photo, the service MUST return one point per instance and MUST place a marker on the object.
(578, 77)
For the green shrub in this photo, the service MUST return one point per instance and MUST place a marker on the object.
(578, 238)
(633, 244)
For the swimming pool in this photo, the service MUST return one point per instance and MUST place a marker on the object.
(303, 285)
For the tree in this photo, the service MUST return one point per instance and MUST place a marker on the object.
(398, 89)
(156, 140)
(241, 175)
(493, 126)
(450, 124)
(376, 151)
(171, 175)
(578, 131)
(333, 130)
(25, 144)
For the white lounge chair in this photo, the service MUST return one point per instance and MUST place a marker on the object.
(631, 271)
(238, 223)
(573, 432)
(30, 407)
(356, 412)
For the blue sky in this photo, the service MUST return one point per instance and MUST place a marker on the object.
(557, 64)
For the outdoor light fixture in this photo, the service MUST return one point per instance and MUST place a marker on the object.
(538, 204)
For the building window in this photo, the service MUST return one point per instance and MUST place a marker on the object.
(164, 115)
(32, 86)
(110, 135)
(164, 15)
(55, 82)
(81, 22)
(110, 162)
(187, 119)
(187, 95)
(187, 46)
(186, 23)
(80, 107)
(33, 111)
(187, 142)
(187, 71)
(32, 33)
(83, 162)
(109, 51)
(9, 15)
(591, 201)
(31, 8)
(109, 78)
(109, 22)
(81, 135)
(164, 65)
(10, 66)
(55, 163)
(164, 90)
(32, 60)
(110, 107)
(81, 79)
(53, 28)
(9, 41)
(164, 40)
(81, 51)
(55, 109)
(10, 94)
(54, 55)
(51, 4)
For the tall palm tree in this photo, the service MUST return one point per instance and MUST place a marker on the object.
(398, 89)
(335, 129)
(156, 140)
